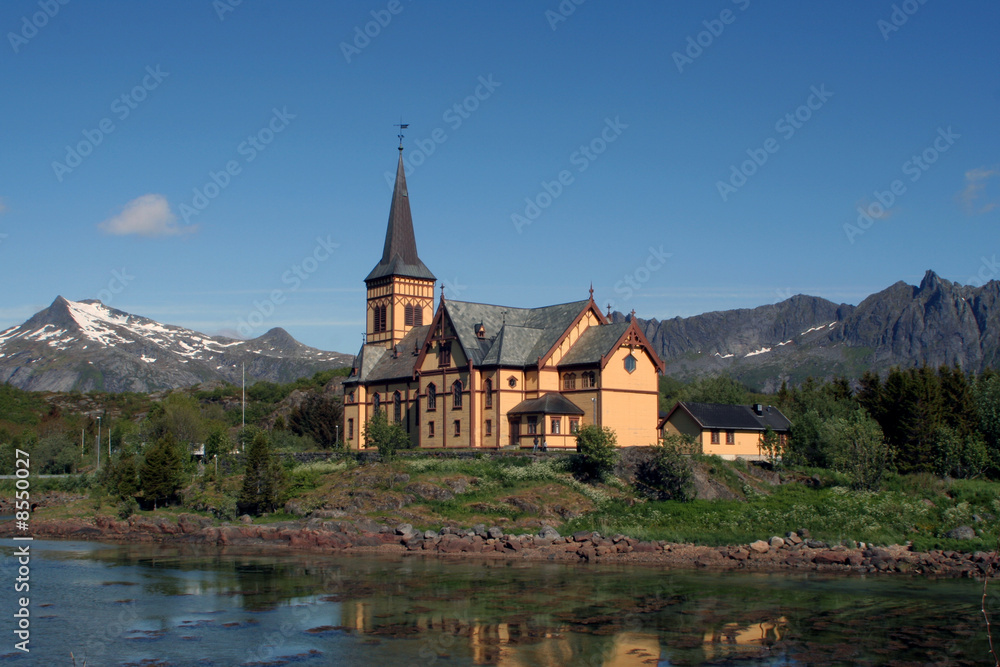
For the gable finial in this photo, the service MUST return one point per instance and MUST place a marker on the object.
(442, 291)
(591, 290)
(609, 309)
(402, 126)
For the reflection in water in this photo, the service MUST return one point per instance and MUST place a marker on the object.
(181, 605)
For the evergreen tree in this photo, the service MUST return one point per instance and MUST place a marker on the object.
(161, 473)
(262, 478)
(317, 416)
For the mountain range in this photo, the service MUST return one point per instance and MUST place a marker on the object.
(85, 345)
(936, 322)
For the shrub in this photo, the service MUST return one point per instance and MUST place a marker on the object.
(598, 453)
(386, 437)
(127, 508)
(666, 475)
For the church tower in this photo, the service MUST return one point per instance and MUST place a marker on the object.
(400, 287)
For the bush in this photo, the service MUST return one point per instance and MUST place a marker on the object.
(386, 437)
(859, 450)
(666, 475)
(598, 452)
(127, 508)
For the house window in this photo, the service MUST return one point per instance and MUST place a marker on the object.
(432, 397)
(569, 381)
(630, 363)
(589, 380)
(456, 394)
(715, 436)
(350, 429)
(574, 425)
(532, 425)
(376, 402)
(458, 428)
(730, 437)
(444, 355)
(430, 429)
(397, 407)
(488, 389)
(489, 427)
(556, 421)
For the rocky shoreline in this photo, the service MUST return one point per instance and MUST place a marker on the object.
(793, 552)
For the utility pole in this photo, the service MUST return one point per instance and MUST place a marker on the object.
(98, 442)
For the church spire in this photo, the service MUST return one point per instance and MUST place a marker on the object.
(399, 254)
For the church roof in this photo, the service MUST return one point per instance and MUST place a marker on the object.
(594, 343)
(399, 254)
(514, 336)
(549, 404)
(378, 363)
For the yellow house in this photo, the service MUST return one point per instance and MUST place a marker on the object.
(729, 431)
(480, 375)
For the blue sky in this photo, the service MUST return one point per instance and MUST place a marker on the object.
(224, 166)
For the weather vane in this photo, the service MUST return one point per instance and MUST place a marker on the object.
(402, 126)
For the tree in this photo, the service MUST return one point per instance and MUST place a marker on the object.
(957, 455)
(262, 478)
(387, 438)
(666, 475)
(987, 397)
(598, 452)
(859, 450)
(719, 389)
(318, 417)
(161, 473)
(770, 444)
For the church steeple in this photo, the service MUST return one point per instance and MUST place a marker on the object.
(400, 287)
(399, 254)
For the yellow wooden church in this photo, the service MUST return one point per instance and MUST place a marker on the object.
(486, 376)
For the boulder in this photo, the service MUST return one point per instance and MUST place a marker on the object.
(760, 546)
(548, 533)
(776, 542)
(961, 533)
(494, 532)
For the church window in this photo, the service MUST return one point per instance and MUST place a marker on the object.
(381, 322)
(376, 401)
(350, 429)
(458, 428)
(488, 390)
(512, 381)
(569, 381)
(413, 316)
(431, 397)
(556, 423)
(397, 407)
(430, 429)
(532, 425)
(489, 427)
(589, 380)
(574, 425)
(444, 356)
(630, 363)
(456, 394)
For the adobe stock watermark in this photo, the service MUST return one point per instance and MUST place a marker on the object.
(248, 149)
(581, 158)
(697, 44)
(786, 126)
(223, 7)
(915, 167)
(294, 277)
(455, 115)
(116, 285)
(363, 36)
(30, 25)
(899, 16)
(633, 281)
(563, 11)
(989, 269)
(121, 107)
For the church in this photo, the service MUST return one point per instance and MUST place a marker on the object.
(487, 376)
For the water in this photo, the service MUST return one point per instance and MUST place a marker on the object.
(182, 605)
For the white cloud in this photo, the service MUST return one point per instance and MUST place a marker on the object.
(976, 181)
(148, 215)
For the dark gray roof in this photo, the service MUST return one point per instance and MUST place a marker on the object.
(594, 344)
(516, 336)
(378, 363)
(399, 254)
(735, 417)
(549, 404)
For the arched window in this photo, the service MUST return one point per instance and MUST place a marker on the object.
(397, 407)
(569, 381)
(589, 380)
(376, 402)
(432, 396)
(488, 390)
(456, 394)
